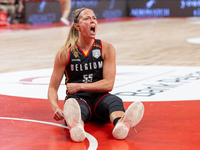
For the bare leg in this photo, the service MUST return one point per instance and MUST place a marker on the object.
(67, 9)
(12, 10)
(66, 12)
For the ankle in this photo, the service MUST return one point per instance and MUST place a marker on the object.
(116, 120)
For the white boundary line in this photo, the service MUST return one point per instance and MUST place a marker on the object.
(93, 144)
(194, 40)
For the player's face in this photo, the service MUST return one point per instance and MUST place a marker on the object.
(88, 23)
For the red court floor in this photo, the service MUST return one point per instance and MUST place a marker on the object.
(165, 126)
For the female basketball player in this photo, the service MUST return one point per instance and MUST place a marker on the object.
(89, 67)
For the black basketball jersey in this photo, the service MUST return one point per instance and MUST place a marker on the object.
(85, 68)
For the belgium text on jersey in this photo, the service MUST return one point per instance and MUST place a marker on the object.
(86, 66)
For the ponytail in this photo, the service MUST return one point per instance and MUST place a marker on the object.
(73, 35)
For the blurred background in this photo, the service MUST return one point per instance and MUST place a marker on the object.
(49, 11)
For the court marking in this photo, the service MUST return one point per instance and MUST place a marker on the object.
(133, 83)
(194, 40)
(93, 144)
(145, 79)
(194, 22)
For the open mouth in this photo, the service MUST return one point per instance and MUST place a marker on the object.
(92, 29)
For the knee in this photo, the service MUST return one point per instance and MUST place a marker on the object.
(110, 104)
(116, 104)
(2, 9)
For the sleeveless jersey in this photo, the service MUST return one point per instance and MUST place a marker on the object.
(84, 68)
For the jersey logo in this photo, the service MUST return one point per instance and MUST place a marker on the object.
(96, 53)
(75, 54)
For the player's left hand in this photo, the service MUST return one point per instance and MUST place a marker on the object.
(73, 87)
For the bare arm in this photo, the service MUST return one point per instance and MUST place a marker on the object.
(56, 77)
(109, 71)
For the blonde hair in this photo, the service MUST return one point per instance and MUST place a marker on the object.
(73, 35)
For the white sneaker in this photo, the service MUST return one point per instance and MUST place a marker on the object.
(65, 21)
(72, 115)
(131, 118)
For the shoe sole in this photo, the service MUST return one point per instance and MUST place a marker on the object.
(77, 134)
(72, 115)
(131, 118)
(134, 113)
(120, 131)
